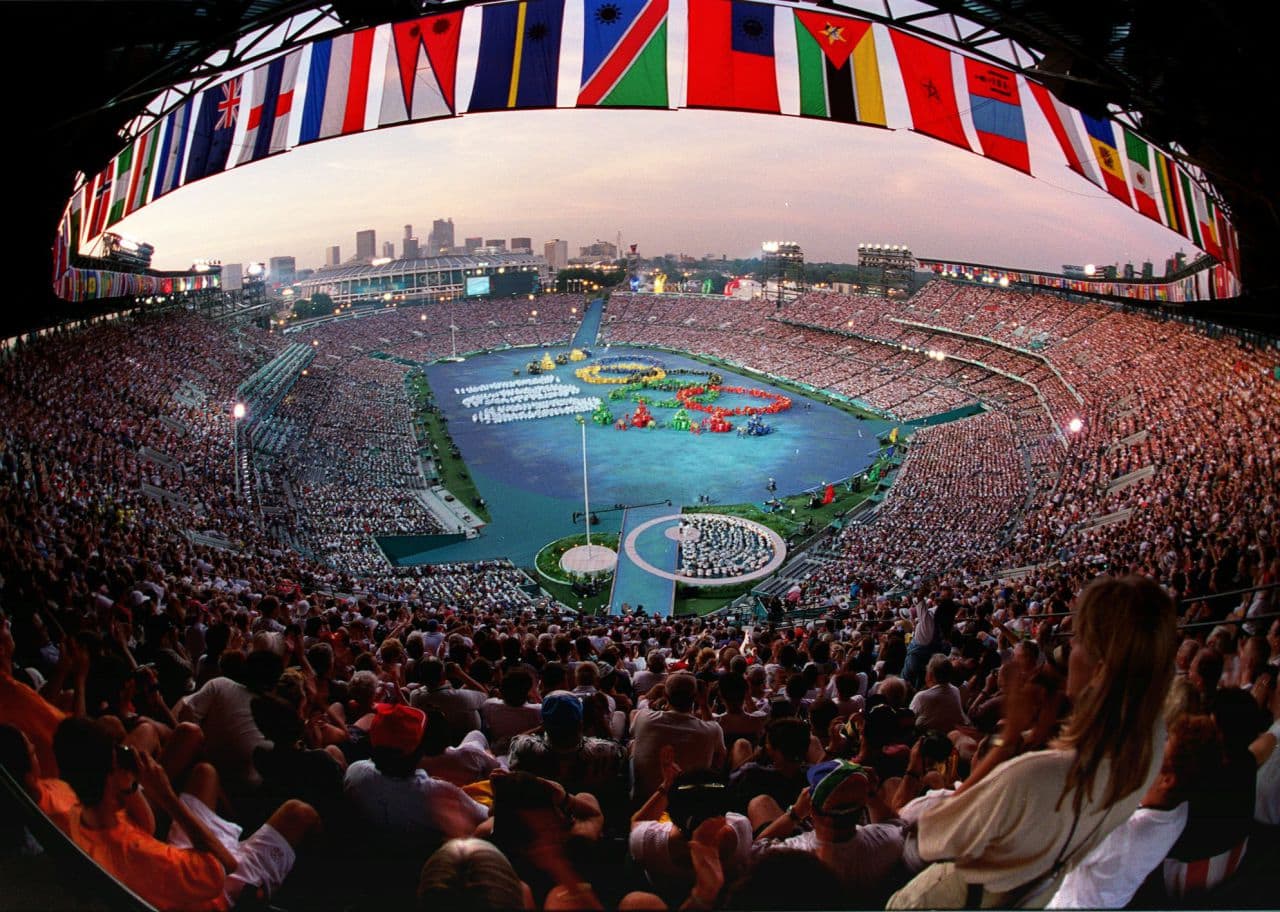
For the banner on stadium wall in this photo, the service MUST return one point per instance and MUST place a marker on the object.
(745, 55)
(79, 285)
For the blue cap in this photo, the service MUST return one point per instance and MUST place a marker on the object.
(561, 711)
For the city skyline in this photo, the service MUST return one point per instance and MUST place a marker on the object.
(692, 182)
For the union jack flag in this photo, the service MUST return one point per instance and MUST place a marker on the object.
(229, 104)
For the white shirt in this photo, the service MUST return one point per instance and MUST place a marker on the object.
(650, 846)
(414, 805)
(1109, 876)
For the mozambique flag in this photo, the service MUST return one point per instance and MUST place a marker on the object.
(1103, 140)
(839, 71)
(624, 54)
(1170, 195)
(519, 61)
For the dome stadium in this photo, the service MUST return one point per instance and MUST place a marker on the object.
(452, 575)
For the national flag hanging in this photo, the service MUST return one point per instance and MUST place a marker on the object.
(267, 129)
(122, 167)
(1170, 195)
(173, 149)
(1144, 191)
(839, 70)
(829, 494)
(1209, 227)
(731, 56)
(337, 86)
(893, 436)
(519, 59)
(215, 126)
(77, 224)
(422, 63)
(1193, 219)
(624, 54)
(101, 199)
(1102, 138)
(1064, 128)
(997, 114)
(931, 92)
(143, 165)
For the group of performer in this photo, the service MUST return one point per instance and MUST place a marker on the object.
(716, 546)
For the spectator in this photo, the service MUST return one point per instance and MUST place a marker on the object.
(1121, 665)
(698, 744)
(204, 864)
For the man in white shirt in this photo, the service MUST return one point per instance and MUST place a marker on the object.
(938, 706)
(698, 744)
(1110, 875)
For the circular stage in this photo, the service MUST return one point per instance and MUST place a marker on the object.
(589, 560)
(680, 528)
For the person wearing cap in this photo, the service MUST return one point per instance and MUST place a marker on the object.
(560, 751)
(863, 855)
(392, 795)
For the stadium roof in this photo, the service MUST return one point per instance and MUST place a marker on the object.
(399, 266)
(1188, 72)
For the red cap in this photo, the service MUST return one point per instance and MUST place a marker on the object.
(397, 726)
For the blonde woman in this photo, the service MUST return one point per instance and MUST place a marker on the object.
(1007, 836)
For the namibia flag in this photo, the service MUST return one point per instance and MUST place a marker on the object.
(624, 54)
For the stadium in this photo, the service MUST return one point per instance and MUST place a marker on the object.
(467, 578)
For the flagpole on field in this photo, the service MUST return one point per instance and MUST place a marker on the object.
(586, 500)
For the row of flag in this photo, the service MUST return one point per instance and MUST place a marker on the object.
(1216, 282)
(742, 55)
(76, 284)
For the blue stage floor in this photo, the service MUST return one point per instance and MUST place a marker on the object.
(530, 472)
(632, 584)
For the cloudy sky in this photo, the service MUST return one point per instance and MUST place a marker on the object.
(681, 181)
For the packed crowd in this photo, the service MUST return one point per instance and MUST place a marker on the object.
(934, 738)
(343, 447)
(939, 750)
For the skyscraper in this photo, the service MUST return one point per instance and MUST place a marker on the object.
(521, 245)
(411, 248)
(441, 237)
(389, 250)
(334, 256)
(474, 242)
(557, 254)
(366, 245)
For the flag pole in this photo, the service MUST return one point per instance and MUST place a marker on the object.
(586, 500)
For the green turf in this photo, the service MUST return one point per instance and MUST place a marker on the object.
(431, 430)
(559, 585)
(548, 559)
